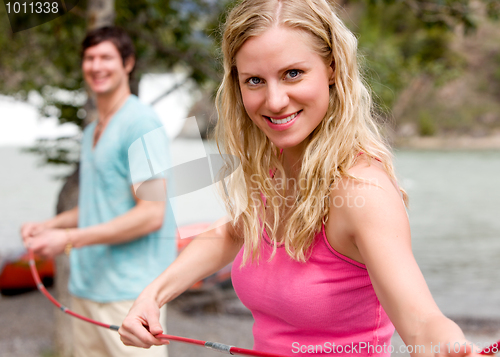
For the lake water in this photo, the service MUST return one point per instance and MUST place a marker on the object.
(454, 215)
(455, 221)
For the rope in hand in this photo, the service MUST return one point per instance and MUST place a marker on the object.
(220, 347)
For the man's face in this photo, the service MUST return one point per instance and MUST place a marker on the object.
(103, 68)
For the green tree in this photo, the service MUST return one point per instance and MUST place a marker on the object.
(403, 39)
(46, 58)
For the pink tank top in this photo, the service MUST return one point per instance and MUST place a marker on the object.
(324, 307)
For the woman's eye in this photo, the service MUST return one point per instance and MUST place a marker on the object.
(254, 81)
(294, 73)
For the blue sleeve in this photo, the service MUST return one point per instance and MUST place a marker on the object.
(147, 149)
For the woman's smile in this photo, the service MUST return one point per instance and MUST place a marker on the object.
(283, 122)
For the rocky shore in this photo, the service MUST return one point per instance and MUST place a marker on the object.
(491, 142)
(28, 326)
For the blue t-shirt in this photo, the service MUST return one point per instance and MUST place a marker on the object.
(132, 148)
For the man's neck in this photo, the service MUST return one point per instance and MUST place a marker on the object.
(110, 103)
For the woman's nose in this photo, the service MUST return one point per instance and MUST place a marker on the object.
(277, 98)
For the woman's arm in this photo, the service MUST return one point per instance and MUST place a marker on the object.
(206, 254)
(380, 235)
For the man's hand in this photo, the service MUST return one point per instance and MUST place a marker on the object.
(48, 243)
(31, 229)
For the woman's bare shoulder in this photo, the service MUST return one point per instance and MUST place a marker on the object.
(363, 198)
(367, 173)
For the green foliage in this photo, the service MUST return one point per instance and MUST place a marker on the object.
(398, 45)
(426, 126)
(60, 151)
(496, 74)
(166, 34)
(493, 8)
(172, 33)
(46, 59)
(49, 353)
(444, 13)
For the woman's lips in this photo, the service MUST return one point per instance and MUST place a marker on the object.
(285, 124)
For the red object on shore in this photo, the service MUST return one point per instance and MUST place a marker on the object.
(16, 276)
(185, 234)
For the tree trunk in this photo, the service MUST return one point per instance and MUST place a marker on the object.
(63, 339)
(99, 13)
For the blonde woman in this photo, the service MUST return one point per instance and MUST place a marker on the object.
(321, 254)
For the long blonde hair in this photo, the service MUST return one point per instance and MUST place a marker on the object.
(347, 129)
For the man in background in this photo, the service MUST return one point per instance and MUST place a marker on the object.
(120, 242)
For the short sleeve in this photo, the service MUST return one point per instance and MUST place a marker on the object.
(147, 150)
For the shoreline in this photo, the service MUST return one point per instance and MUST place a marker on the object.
(464, 142)
(437, 142)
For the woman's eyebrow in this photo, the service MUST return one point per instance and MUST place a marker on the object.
(245, 74)
(288, 66)
(292, 65)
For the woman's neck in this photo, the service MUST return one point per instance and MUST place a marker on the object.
(292, 161)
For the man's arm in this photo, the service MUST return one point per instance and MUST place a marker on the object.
(145, 217)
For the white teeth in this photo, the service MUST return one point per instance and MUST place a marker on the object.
(283, 121)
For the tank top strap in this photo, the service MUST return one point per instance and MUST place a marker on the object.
(362, 152)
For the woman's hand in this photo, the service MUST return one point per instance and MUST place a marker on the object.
(206, 254)
(142, 324)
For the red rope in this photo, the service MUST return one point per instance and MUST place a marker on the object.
(212, 345)
(491, 350)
